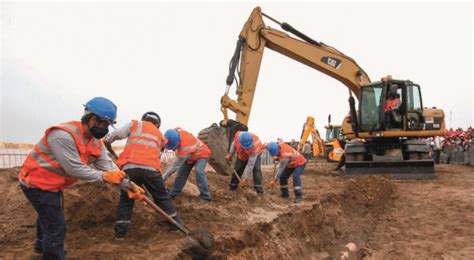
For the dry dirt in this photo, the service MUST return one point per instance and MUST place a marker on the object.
(430, 219)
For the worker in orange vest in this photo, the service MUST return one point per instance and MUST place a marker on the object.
(392, 103)
(190, 152)
(141, 161)
(291, 162)
(249, 150)
(65, 154)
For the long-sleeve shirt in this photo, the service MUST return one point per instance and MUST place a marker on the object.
(281, 167)
(250, 162)
(64, 149)
(176, 164)
(123, 133)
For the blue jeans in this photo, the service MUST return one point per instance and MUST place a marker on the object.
(297, 186)
(50, 225)
(201, 178)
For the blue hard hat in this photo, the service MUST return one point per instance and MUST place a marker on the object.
(102, 107)
(173, 139)
(273, 149)
(246, 140)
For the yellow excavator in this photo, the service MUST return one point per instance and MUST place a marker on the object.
(380, 141)
(329, 149)
(319, 148)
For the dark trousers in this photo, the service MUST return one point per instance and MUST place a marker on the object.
(153, 182)
(50, 225)
(297, 186)
(257, 174)
(436, 155)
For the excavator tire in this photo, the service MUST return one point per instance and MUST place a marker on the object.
(215, 137)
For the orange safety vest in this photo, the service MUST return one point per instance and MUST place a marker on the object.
(41, 169)
(296, 158)
(143, 145)
(190, 144)
(391, 104)
(243, 154)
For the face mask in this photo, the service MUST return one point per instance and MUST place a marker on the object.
(98, 132)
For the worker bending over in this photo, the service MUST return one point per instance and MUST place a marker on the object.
(141, 161)
(249, 150)
(190, 152)
(291, 162)
(58, 160)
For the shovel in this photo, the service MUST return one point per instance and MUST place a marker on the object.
(200, 242)
(234, 172)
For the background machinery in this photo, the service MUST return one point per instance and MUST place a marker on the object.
(319, 148)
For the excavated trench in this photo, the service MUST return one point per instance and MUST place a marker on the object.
(318, 230)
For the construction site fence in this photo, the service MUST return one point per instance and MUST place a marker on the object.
(458, 155)
(13, 155)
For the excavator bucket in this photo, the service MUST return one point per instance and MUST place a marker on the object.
(400, 169)
(217, 140)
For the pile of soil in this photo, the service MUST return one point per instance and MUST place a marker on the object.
(384, 218)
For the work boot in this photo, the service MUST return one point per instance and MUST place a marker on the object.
(121, 228)
(298, 199)
(205, 200)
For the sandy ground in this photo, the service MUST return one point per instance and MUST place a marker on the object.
(429, 219)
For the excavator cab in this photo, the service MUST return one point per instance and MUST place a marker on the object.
(398, 106)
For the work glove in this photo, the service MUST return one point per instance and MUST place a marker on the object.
(138, 194)
(273, 183)
(114, 176)
(228, 157)
(244, 183)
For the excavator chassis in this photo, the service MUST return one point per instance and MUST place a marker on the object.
(401, 160)
(400, 170)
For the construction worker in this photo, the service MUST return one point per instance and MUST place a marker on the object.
(291, 162)
(190, 152)
(141, 161)
(59, 159)
(249, 150)
(392, 104)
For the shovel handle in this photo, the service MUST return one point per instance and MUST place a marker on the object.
(166, 216)
(127, 184)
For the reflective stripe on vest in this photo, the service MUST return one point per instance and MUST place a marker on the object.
(296, 159)
(143, 146)
(190, 144)
(41, 169)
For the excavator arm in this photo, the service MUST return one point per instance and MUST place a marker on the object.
(256, 36)
(319, 149)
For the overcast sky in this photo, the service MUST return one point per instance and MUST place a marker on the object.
(173, 58)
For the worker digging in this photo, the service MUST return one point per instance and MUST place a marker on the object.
(140, 160)
(249, 150)
(291, 162)
(190, 152)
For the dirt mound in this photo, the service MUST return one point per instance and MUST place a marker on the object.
(381, 216)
